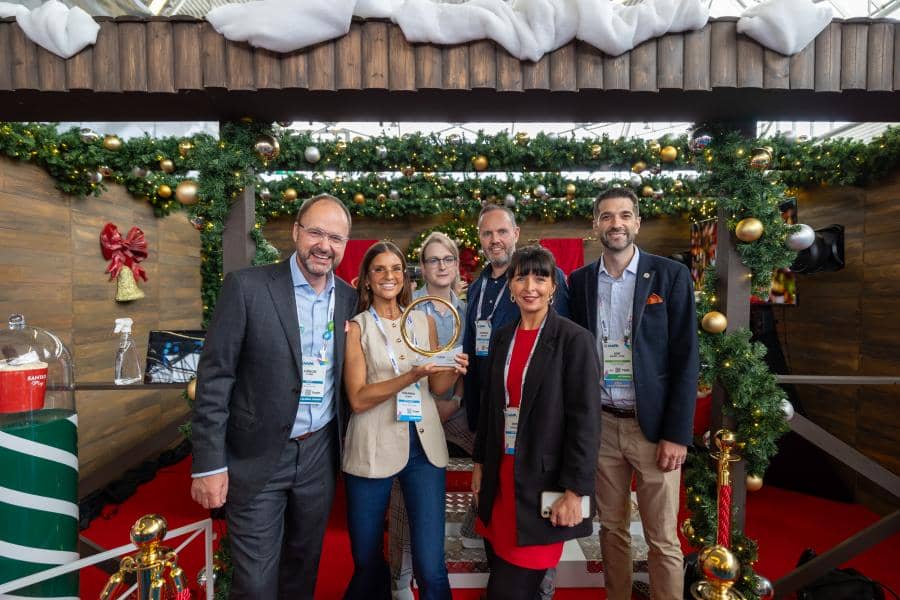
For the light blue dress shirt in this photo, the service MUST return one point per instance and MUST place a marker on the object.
(615, 301)
(312, 314)
(444, 322)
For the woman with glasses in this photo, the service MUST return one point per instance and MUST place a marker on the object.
(395, 430)
(439, 259)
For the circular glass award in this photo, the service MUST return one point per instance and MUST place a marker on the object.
(444, 355)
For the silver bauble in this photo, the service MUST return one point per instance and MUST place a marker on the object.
(381, 152)
(801, 239)
(202, 578)
(635, 179)
(265, 194)
(509, 200)
(89, 136)
(657, 193)
(763, 588)
(312, 154)
(140, 172)
(787, 408)
(394, 195)
(540, 190)
(95, 177)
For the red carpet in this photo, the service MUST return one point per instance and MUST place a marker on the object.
(784, 523)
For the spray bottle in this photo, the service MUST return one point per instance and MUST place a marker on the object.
(128, 364)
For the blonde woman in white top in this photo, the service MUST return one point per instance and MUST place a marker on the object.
(394, 430)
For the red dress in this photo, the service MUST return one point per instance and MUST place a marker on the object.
(501, 532)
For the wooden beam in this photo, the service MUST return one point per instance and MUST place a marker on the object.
(238, 248)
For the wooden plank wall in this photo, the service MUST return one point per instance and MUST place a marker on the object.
(665, 236)
(51, 269)
(845, 324)
(169, 55)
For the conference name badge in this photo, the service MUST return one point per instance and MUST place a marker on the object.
(482, 337)
(409, 403)
(617, 368)
(510, 429)
(312, 390)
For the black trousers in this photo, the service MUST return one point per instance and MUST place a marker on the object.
(511, 582)
(276, 538)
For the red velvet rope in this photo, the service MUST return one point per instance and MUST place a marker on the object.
(184, 594)
(123, 252)
(724, 533)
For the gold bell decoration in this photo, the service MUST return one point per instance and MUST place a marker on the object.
(126, 287)
(714, 322)
(749, 229)
(668, 154)
(480, 162)
(155, 566)
(186, 192)
(761, 158)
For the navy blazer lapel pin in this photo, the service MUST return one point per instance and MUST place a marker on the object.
(646, 275)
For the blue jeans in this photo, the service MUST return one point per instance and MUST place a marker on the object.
(423, 487)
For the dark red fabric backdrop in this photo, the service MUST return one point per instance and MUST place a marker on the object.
(569, 252)
(353, 255)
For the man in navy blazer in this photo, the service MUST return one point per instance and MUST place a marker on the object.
(640, 308)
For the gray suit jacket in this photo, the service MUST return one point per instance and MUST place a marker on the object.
(249, 376)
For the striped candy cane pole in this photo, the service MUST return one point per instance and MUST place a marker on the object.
(39, 502)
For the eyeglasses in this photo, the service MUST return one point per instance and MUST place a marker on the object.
(317, 235)
(396, 269)
(434, 261)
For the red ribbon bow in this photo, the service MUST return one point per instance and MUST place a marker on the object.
(123, 252)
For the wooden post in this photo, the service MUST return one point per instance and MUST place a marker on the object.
(733, 292)
(238, 248)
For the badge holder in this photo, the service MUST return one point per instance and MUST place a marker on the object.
(445, 356)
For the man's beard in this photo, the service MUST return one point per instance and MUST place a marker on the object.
(316, 269)
(503, 260)
(607, 243)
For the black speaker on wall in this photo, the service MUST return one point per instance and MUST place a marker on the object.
(826, 253)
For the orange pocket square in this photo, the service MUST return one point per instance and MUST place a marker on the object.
(654, 299)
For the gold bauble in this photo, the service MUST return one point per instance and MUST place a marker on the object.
(596, 149)
(476, 193)
(192, 389)
(570, 190)
(678, 184)
(290, 194)
(714, 322)
(480, 162)
(381, 198)
(754, 483)
(112, 142)
(359, 198)
(687, 529)
(639, 167)
(185, 147)
(668, 154)
(340, 146)
(647, 191)
(164, 191)
(186, 192)
(166, 166)
(718, 565)
(267, 148)
(522, 138)
(761, 159)
(749, 229)
(408, 171)
(654, 147)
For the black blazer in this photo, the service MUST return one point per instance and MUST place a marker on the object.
(249, 376)
(559, 427)
(664, 352)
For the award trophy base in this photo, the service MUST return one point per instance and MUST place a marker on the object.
(447, 358)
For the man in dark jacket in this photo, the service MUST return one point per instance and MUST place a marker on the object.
(640, 308)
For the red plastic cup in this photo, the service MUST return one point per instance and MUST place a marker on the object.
(22, 387)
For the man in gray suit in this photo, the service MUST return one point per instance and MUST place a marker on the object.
(268, 414)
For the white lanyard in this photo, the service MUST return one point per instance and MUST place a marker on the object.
(329, 330)
(387, 341)
(484, 283)
(527, 362)
(604, 324)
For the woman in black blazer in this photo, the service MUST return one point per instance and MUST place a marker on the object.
(538, 431)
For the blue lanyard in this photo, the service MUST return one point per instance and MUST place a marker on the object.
(329, 330)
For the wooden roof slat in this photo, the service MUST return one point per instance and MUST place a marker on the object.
(402, 64)
(187, 55)
(536, 75)
(803, 68)
(776, 70)
(697, 59)
(239, 66)
(563, 69)
(214, 75)
(5, 65)
(643, 67)
(80, 70)
(455, 68)
(749, 63)
(294, 70)
(51, 71)
(267, 69)
(375, 51)
(106, 58)
(617, 72)
(429, 72)
(348, 54)
(854, 51)
(880, 58)
(483, 65)
(588, 67)
(321, 67)
(723, 57)
(670, 61)
(25, 67)
(828, 59)
(160, 57)
(133, 56)
(509, 72)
